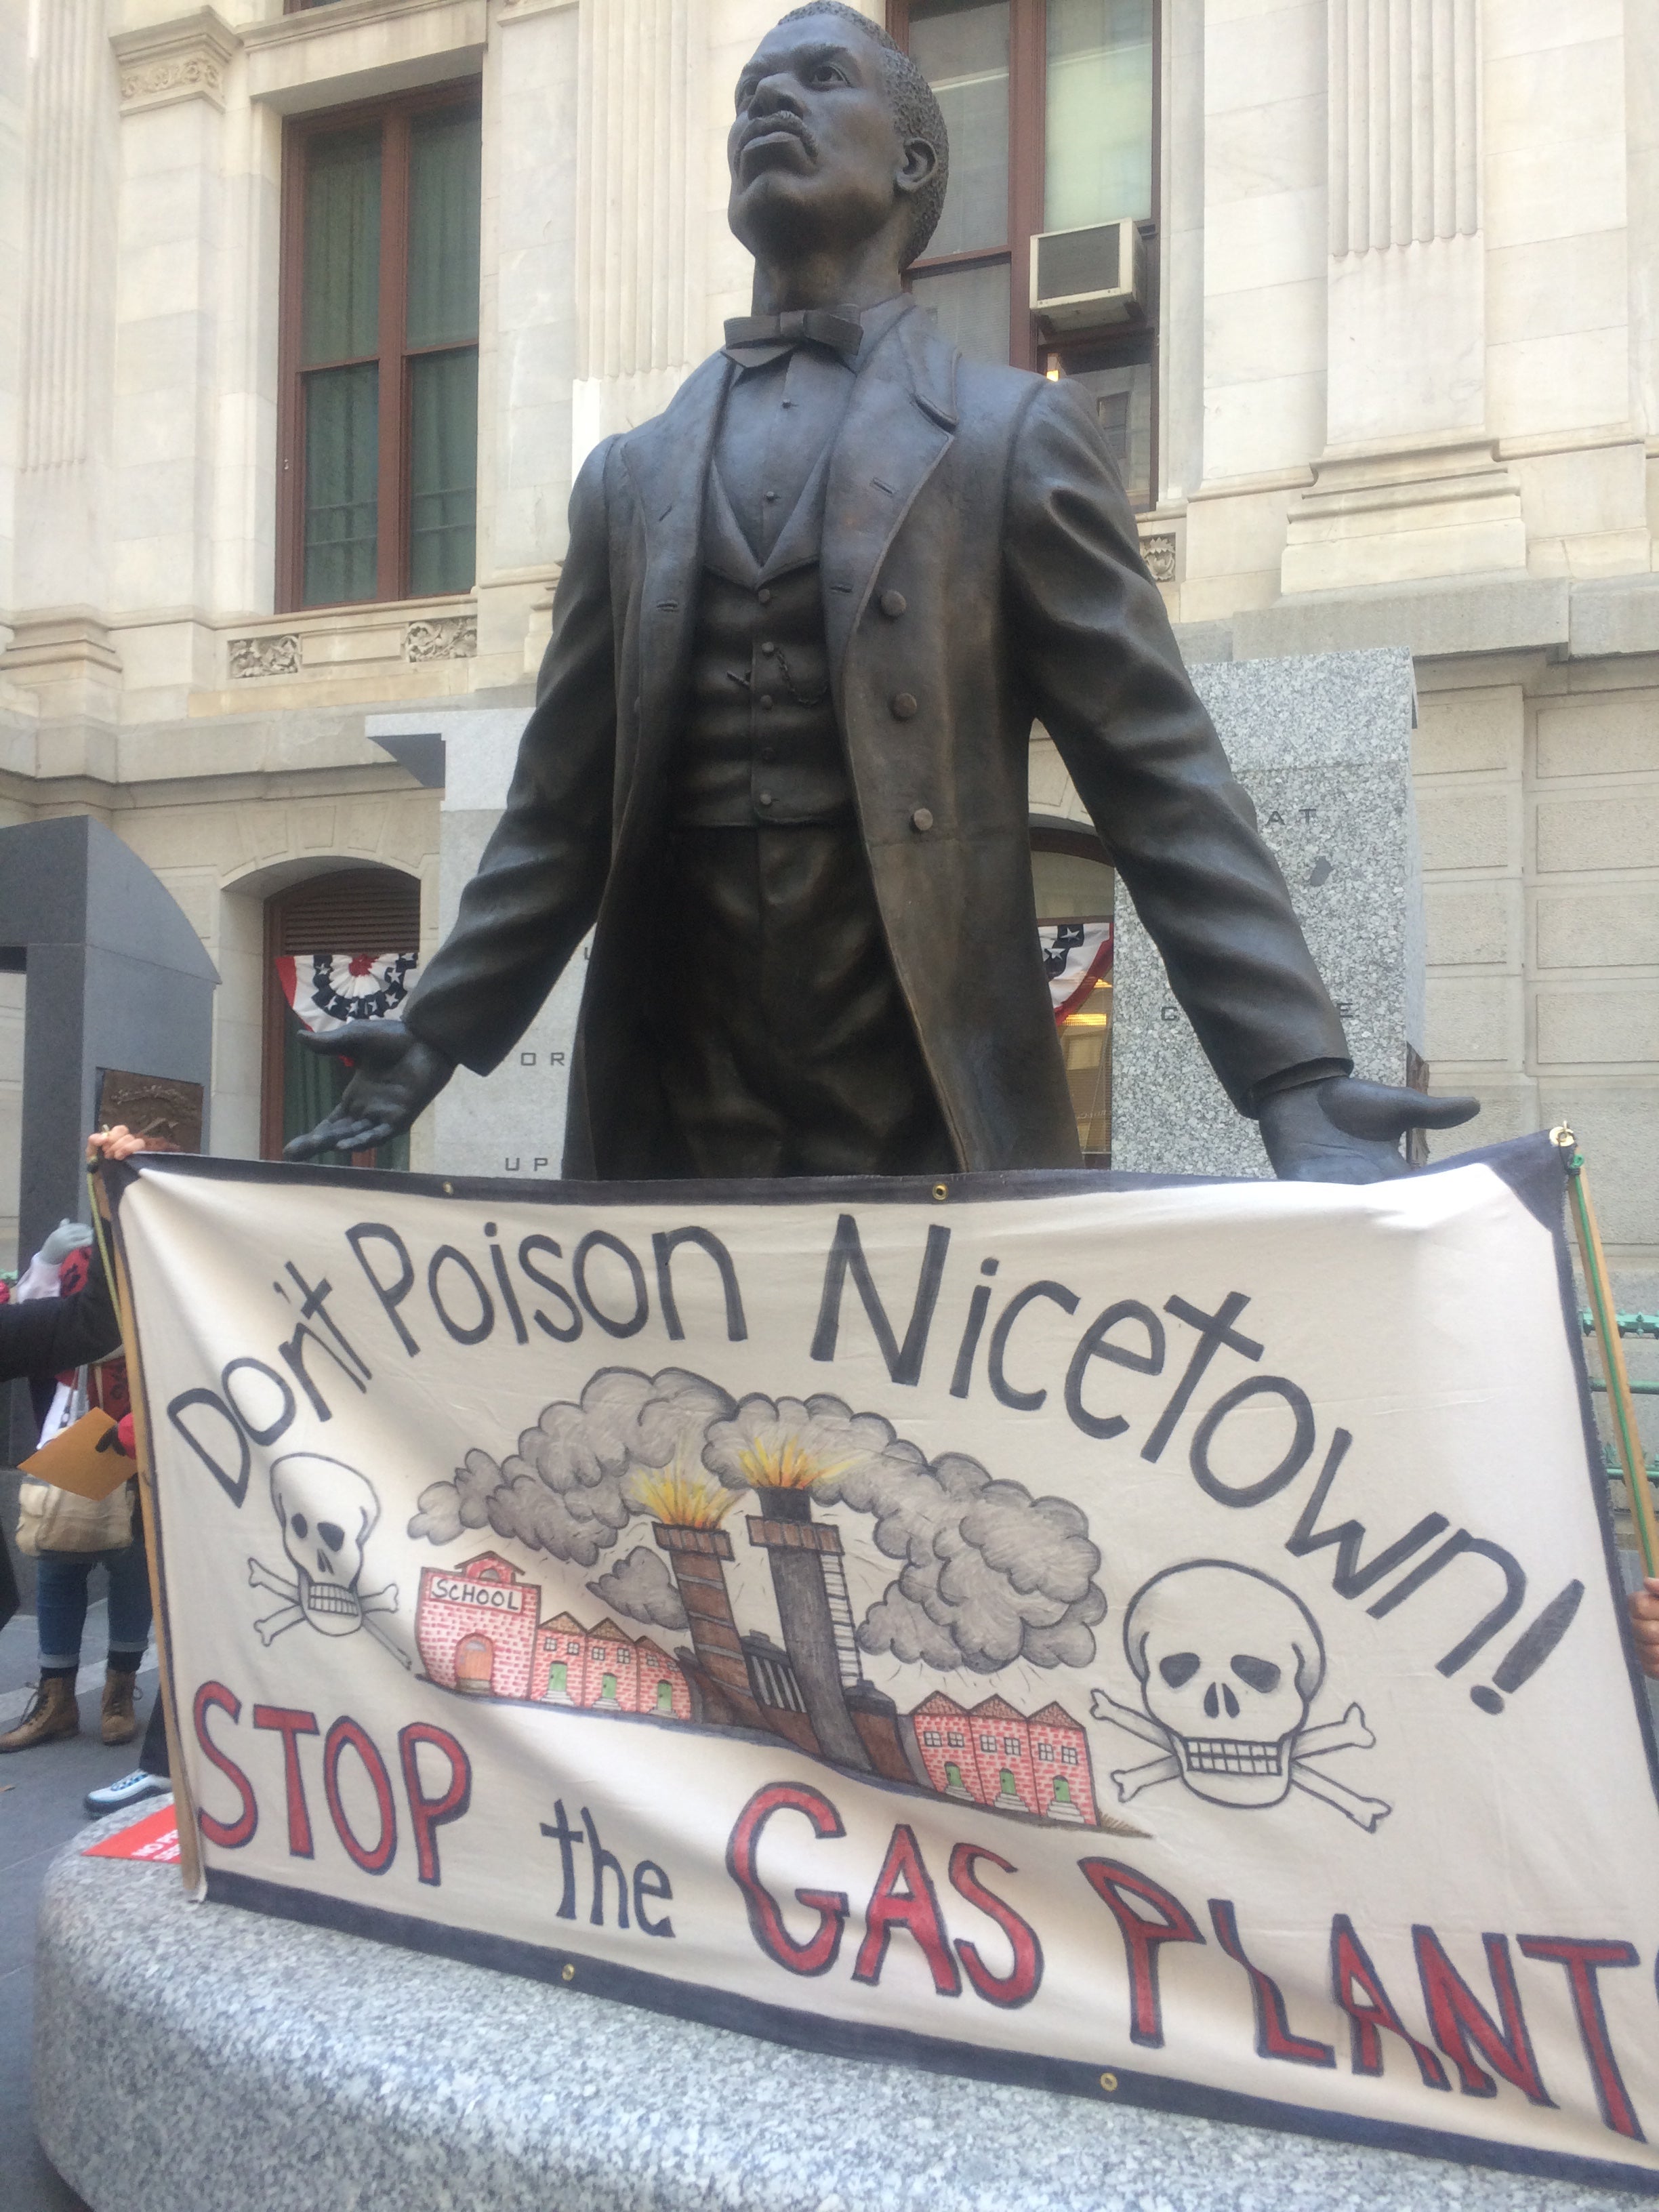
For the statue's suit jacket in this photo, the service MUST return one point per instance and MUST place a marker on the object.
(985, 501)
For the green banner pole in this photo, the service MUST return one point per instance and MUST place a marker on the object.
(1626, 1438)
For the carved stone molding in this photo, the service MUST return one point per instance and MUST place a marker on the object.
(1404, 124)
(447, 637)
(264, 656)
(1159, 552)
(185, 59)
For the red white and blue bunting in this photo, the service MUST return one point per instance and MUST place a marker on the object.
(1076, 956)
(328, 989)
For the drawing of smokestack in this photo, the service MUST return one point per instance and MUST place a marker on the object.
(687, 1512)
(696, 1555)
(800, 1549)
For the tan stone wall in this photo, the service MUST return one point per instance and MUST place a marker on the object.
(1539, 804)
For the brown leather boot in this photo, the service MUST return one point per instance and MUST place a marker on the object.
(52, 1712)
(120, 1690)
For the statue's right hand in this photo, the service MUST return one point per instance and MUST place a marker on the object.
(394, 1075)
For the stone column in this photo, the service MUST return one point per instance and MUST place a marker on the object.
(14, 82)
(60, 647)
(184, 287)
(527, 355)
(639, 232)
(1408, 486)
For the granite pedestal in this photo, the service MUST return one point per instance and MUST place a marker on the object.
(1322, 744)
(200, 2059)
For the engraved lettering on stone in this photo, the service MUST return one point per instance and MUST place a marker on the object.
(264, 656)
(447, 637)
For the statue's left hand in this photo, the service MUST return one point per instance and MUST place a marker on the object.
(1344, 1130)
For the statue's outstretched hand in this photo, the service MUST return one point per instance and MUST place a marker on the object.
(1344, 1130)
(394, 1076)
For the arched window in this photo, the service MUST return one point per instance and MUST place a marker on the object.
(337, 944)
(1075, 883)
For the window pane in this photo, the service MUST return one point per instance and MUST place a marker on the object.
(443, 472)
(1099, 140)
(341, 246)
(443, 229)
(343, 412)
(963, 54)
(1123, 401)
(970, 307)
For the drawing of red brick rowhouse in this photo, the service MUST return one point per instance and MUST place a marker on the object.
(989, 1755)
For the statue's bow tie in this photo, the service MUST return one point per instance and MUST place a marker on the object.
(753, 340)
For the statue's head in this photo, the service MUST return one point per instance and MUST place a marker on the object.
(837, 141)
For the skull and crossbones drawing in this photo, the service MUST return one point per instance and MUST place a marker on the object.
(1229, 1662)
(326, 1511)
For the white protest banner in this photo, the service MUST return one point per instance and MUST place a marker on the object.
(1157, 1641)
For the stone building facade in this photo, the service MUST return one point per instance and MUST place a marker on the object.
(1391, 377)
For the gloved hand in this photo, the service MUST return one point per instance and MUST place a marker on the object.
(67, 1237)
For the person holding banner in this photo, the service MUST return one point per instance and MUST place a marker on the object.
(45, 1336)
(1644, 1626)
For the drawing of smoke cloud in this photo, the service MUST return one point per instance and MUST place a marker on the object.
(568, 1489)
(642, 1587)
(991, 1574)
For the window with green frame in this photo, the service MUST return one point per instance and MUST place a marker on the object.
(380, 334)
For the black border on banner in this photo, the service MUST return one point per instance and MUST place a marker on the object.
(1533, 1168)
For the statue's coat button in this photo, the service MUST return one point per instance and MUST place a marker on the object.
(767, 646)
(766, 798)
(922, 819)
(764, 595)
(893, 604)
(766, 698)
(903, 705)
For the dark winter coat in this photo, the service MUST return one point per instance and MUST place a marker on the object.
(47, 1336)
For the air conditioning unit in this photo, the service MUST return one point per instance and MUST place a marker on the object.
(1088, 279)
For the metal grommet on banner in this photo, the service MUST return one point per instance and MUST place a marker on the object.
(567, 1974)
(941, 1191)
(449, 1190)
(1109, 2083)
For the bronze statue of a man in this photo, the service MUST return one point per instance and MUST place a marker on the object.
(779, 746)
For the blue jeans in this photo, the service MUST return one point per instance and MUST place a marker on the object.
(60, 1597)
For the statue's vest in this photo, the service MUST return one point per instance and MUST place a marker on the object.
(760, 744)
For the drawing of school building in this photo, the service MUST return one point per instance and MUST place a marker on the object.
(479, 1630)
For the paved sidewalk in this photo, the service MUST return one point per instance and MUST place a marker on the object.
(40, 1794)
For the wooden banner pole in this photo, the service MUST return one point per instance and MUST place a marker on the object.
(1627, 1440)
(189, 1849)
